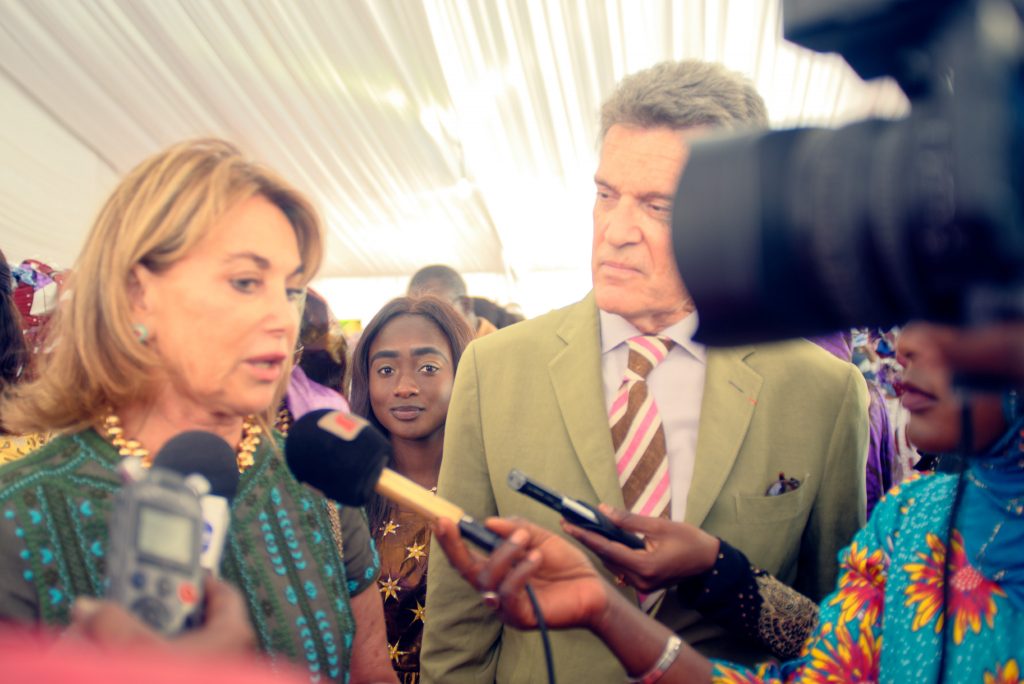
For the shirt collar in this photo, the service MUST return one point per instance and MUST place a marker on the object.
(615, 330)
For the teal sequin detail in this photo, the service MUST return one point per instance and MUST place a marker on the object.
(28, 575)
(86, 509)
(290, 595)
(35, 517)
(46, 556)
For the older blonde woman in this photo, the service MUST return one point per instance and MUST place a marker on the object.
(182, 317)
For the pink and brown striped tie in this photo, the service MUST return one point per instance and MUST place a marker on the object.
(637, 433)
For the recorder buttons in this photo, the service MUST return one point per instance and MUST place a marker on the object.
(152, 612)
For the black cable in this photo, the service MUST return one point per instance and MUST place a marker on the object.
(543, 629)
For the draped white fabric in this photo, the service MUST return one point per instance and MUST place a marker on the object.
(454, 131)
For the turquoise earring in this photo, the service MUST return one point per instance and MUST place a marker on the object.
(141, 332)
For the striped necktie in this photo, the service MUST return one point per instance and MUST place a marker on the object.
(637, 433)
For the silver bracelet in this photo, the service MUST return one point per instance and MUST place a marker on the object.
(668, 656)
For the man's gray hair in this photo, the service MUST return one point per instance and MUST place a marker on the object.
(685, 94)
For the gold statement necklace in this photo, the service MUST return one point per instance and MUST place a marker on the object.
(132, 447)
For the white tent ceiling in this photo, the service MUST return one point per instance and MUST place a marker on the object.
(454, 131)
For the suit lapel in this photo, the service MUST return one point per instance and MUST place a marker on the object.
(577, 381)
(731, 389)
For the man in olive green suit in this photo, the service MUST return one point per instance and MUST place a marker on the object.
(536, 396)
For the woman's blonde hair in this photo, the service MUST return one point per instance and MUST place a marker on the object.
(159, 212)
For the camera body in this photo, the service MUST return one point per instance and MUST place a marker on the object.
(153, 568)
(806, 231)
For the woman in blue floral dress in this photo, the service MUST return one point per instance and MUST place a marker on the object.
(931, 590)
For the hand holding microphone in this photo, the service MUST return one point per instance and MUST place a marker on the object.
(568, 589)
(673, 550)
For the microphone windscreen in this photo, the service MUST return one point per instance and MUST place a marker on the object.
(202, 453)
(340, 454)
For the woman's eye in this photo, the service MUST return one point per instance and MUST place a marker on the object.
(385, 371)
(245, 284)
(430, 368)
(296, 293)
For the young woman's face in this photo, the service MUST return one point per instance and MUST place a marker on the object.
(411, 376)
(934, 405)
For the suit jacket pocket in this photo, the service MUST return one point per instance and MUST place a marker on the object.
(754, 509)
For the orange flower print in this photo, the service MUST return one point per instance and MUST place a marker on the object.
(728, 675)
(971, 596)
(925, 587)
(1004, 674)
(844, 659)
(861, 585)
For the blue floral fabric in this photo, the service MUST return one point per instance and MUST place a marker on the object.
(887, 620)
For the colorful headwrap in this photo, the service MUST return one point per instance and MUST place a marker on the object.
(36, 293)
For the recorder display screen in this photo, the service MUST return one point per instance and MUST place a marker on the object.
(165, 536)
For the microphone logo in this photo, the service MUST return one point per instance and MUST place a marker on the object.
(207, 537)
(343, 425)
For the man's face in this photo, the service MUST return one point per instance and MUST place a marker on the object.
(632, 263)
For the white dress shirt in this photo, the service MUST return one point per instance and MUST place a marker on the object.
(678, 388)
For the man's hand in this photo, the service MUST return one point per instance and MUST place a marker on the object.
(674, 551)
(225, 632)
(569, 590)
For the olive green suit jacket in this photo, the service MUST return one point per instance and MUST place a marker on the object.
(531, 397)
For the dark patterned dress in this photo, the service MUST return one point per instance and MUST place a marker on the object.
(282, 551)
(403, 542)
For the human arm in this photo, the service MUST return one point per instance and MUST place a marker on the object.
(570, 594)
(369, 661)
(369, 650)
(847, 640)
(711, 575)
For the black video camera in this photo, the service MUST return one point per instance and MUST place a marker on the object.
(799, 232)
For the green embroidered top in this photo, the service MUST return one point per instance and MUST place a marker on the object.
(281, 552)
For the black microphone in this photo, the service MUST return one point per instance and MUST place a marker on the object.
(579, 513)
(203, 453)
(343, 456)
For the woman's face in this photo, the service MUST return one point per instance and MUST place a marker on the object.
(411, 376)
(928, 395)
(223, 318)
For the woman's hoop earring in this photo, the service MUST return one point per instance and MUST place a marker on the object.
(141, 332)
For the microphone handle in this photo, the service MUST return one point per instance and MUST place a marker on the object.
(403, 490)
(478, 534)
